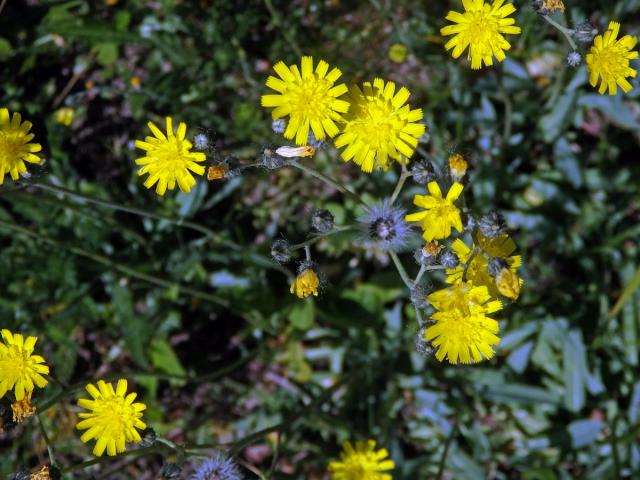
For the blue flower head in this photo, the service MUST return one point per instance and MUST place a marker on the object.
(218, 467)
(384, 225)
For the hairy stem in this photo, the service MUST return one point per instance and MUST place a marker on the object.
(567, 32)
(329, 181)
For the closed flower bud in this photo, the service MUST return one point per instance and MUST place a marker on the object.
(448, 260)
(271, 160)
(148, 437)
(458, 167)
(496, 265)
(322, 221)
(574, 59)
(492, 225)
(423, 172)
(423, 346)
(170, 471)
(306, 283)
(419, 295)
(585, 32)
(281, 251)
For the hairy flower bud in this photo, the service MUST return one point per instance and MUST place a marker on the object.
(271, 160)
(148, 437)
(427, 255)
(423, 172)
(419, 295)
(170, 471)
(574, 59)
(492, 225)
(322, 221)
(279, 126)
(495, 265)
(201, 141)
(281, 251)
(585, 32)
(448, 260)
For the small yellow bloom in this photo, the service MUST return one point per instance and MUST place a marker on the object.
(379, 126)
(458, 167)
(363, 462)
(463, 332)
(216, 172)
(293, 152)
(112, 419)
(42, 474)
(305, 284)
(309, 98)
(481, 28)
(169, 159)
(23, 409)
(65, 115)
(608, 60)
(15, 145)
(135, 81)
(398, 53)
(19, 369)
(440, 213)
(548, 6)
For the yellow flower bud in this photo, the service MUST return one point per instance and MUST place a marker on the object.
(398, 53)
(305, 284)
(508, 283)
(65, 115)
(458, 167)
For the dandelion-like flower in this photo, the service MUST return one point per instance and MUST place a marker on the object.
(15, 145)
(169, 159)
(477, 268)
(379, 126)
(363, 462)
(309, 98)
(112, 419)
(385, 225)
(463, 332)
(19, 369)
(218, 467)
(481, 28)
(608, 60)
(306, 283)
(440, 213)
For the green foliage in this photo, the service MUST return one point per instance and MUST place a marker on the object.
(179, 295)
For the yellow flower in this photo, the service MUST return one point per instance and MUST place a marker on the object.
(501, 246)
(458, 167)
(398, 53)
(169, 159)
(308, 98)
(480, 28)
(19, 369)
(379, 126)
(113, 417)
(363, 462)
(15, 146)
(608, 60)
(65, 115)
(463, 332)
(23, 409)
(440, 214)
(305, 284)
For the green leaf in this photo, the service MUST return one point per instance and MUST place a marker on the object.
(134, 326)
(518, 393)
(302, 315)
(5, 49)
(584, 432)
(575, 369)
(164, 359)
(107, 53)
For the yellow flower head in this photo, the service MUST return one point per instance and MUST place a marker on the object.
(363, 462)
(463, 332)
(112, 419)
(440, 213)
(19, 369)
(15, 146)
(309, 98)
(477, 270)
(305, 284)
(480, 28)
(23, 409)
(65, 115)
(169, 159)
(608, 60)
(398, 52)
(379, 126)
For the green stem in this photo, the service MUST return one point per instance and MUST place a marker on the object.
(403, 273)
(404, 174)
(154, 280)
(567, 32)
(445, 452)
(329, 181)
(45, 437)
(419, 275)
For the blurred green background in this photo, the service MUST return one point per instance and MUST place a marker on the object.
(110, 291)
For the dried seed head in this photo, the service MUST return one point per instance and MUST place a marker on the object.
(322, 221)
(423, 172)
(585, 32)
(492, 225)
(281, 251)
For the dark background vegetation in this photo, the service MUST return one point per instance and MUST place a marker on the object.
(109, 291)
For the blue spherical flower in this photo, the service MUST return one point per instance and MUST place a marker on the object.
(384, 225)
(218, 467)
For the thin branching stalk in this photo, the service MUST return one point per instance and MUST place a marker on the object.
(329, 181)
(567, 32)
